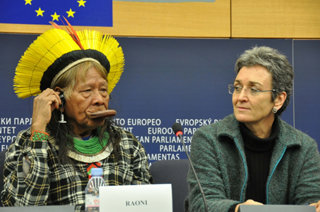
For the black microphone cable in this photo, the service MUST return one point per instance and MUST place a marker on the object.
(177, 129)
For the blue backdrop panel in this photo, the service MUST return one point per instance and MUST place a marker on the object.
(167, 81)
(15, 114)
(307, 86)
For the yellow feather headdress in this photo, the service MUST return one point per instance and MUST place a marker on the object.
(54, 51)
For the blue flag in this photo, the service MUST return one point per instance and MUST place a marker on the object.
(77, 12)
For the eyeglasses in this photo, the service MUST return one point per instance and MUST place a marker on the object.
(253, 91)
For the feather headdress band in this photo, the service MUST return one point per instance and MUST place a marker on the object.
(55, 51)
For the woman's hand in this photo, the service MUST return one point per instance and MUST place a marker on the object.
(248, 202)
(43, 105)
(317, 205)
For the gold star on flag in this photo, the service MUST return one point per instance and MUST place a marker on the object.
(71, 13)
(27, 2)
(39, 12)
(81, 3)
(55, 17)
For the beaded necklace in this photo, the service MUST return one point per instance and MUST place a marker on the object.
(90, 146)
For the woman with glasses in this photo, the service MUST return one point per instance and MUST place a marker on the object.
(252, 156)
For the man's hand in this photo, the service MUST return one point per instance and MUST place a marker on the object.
(43, 105)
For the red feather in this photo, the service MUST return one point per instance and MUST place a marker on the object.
(73, 34)
(55, 25)
(71, 31)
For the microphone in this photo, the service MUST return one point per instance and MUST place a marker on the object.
(177, 129)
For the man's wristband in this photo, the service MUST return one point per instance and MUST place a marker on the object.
(37, 135)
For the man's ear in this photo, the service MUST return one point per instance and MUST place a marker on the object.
(58, 89)
(280, 99)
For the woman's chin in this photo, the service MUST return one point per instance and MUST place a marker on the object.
(243, 118)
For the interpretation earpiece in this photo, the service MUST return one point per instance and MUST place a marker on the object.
(63, 99)
(63, 102)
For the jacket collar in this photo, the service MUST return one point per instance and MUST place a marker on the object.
(229, 127)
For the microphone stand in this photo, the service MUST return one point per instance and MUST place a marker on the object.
(194, 171)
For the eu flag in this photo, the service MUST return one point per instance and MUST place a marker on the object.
(78, 12)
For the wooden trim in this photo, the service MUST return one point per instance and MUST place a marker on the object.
(276, 19)
(188, 19)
